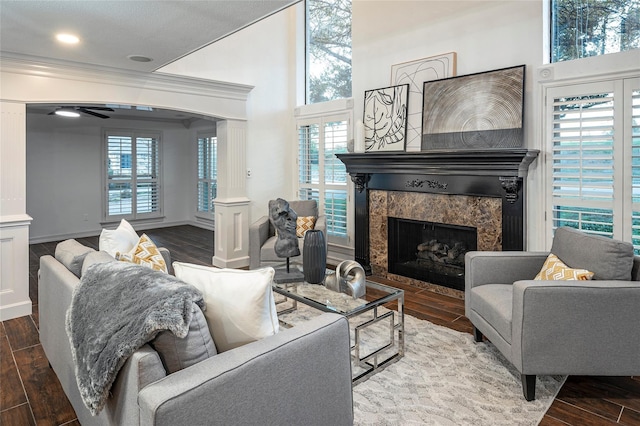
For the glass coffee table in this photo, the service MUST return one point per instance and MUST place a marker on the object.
(377, 331)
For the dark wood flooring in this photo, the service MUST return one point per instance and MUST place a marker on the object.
(30, 393)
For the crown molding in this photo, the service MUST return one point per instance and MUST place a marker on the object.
(64, 70)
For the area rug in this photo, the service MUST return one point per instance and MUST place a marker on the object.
(446, 379)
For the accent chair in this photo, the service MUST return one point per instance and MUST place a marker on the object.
(554, 327)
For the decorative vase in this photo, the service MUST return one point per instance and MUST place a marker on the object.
(314, 256)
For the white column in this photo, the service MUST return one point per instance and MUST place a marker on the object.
(14, 221)
(231, 235)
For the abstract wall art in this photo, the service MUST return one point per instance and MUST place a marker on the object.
(385, 118)
(475, 111)
(415, 73)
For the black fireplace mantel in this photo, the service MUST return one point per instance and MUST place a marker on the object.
(484, 172)
(479, 162)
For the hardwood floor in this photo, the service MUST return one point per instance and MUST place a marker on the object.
(30, 393)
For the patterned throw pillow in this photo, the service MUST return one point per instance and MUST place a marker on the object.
(303, 224)
(144, 253)
(555, 269)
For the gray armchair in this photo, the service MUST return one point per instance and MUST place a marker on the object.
(559, 327)
(262, 234)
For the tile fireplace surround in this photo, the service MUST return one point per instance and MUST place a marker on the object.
(484, 189)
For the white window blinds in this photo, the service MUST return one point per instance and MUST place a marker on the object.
(634, 120)
(595, 157)
(147, 178)
(321, 175)
(583, 147)
(207, 174)
(583, 162)
(335, 194)
(133, 175)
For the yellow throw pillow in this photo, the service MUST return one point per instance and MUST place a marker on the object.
(555, 269)
(144, 253)
(303, 224)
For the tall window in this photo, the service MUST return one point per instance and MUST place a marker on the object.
(582, 28)
(132, 188)
(328, 45)
(207, 174)
(594, 131)
(321, 175)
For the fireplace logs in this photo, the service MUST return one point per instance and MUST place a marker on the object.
(429, 251)
(439, 252)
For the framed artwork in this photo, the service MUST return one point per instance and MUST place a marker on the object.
(477, 111)
(385, 118)
(415, 73)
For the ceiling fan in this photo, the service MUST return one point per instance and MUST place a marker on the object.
(74, 111)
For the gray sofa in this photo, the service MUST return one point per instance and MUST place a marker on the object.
(301, 375)
(262, 235)
(559, 327)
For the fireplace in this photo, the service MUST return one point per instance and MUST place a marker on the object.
(484, 189)
(429, 251)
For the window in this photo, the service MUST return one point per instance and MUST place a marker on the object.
(328, 50)
(594, 132)
(207, 174)
(132, 188)
(582, 28)
(633, 117)
(321, 175)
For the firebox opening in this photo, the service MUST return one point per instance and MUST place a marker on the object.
(429, 251)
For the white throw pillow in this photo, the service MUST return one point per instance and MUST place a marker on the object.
(122, 239)
(240, 304)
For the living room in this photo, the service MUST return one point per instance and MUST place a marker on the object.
(266, 56)
(62, 197)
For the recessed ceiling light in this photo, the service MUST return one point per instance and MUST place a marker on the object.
(67, 38)
(139, 58)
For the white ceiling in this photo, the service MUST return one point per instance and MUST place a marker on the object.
(111, 31)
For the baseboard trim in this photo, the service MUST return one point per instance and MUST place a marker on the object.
(237, 263)
(16, 310)
(62, 237)
(141, 226)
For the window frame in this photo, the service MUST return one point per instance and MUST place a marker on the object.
(307, 57)
(208, 215)
(551, 35)
(621, 85)
(331, 115)
(135, 179)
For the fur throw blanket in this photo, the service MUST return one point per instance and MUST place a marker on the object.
(117, 308)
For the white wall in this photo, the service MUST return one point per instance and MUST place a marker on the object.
(64, 185)
(262, 56)
(485, 35)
